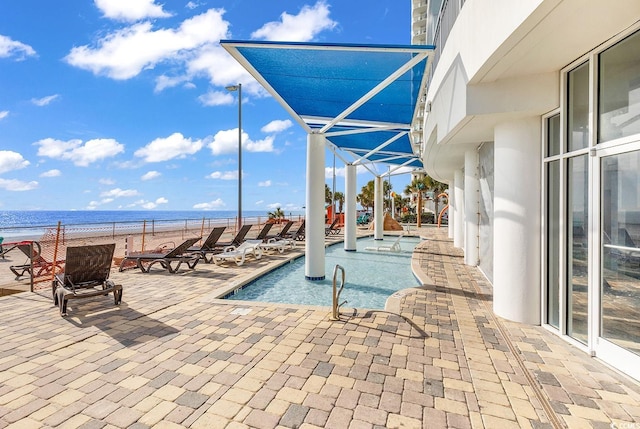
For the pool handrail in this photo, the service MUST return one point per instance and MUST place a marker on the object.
(335, 307)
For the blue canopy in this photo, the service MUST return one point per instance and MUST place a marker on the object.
(363, 98)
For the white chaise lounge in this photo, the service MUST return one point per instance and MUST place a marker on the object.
(240, 252)
(394, 247)
(279, 244)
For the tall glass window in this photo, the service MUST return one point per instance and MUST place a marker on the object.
(578, 108)
(619, 90)
(553, 136)
(577, 256)
(620, 286)
(553, 243)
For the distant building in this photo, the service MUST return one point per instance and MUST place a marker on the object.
(532, 116)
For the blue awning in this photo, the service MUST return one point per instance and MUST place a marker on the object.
(363, 98)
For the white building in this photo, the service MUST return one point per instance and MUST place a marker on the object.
(532, 116)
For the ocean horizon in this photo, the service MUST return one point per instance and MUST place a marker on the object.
(16, 222)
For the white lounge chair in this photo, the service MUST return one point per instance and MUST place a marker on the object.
(279, 244)
(394, 247)
(239, 253)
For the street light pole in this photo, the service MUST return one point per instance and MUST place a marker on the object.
(238, 88)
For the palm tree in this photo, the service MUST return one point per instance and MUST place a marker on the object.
(426, 183)
(437, 188)
(339, 198)
(277, 214)
(418, 185)
(328, 197)
(366, 196)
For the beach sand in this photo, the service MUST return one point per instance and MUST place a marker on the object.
(160, 239)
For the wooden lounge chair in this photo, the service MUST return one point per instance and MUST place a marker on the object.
(297, 235)
(332, 229)
(179, 255)
(209, 246)
(239, 253)
(34, 260)
(394, 247)
(262, 235)
(283, 232)
(237, 240)
(86, 274)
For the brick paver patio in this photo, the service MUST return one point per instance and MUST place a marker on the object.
(175, 356)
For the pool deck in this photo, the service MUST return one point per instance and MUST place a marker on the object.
(173, 355)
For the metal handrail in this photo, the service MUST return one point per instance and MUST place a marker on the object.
(335, 313)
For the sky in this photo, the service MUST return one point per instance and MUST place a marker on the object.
(121, 104)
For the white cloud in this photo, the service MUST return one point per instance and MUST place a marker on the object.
(106, 181)
(118, 193)
(224, 175)
(44, 100)
(292, 207)
(212, 205)
(10, 161)
(51, 173)
(340, 171)
(259, 202)
(17, 185)
(130, 10)
(265, 184)
(264, 145)
(213, 62)
(163, 82)
(4, 114)
(192, 5)
(153, 204)
(164, 149)
(302, 27)
(274, 206)
(150, 175)
(10, 47)
(216, 98)
(80, 154)
(126, 52)
(226, 142)
(276, 126)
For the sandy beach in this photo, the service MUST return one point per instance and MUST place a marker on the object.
(126, 241)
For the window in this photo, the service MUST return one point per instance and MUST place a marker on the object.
(578, 108)
(619, 90)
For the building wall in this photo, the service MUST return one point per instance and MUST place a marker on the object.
(502, 71)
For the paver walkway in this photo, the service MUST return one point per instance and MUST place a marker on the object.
(175, 356)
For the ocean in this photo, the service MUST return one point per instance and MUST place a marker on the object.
(28, 223)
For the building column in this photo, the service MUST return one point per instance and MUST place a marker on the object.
(450, 210)
(517, 233)
(314, 212)
(458, 209)
(350, 213)
(378, 212)
(471, 193)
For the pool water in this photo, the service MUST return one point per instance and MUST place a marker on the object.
(371, 277)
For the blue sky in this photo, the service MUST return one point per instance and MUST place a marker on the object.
(121, 104)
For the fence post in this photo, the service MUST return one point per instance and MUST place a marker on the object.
(144, 230)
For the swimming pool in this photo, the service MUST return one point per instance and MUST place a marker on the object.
(371, 277)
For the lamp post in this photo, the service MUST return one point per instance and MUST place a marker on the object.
(238, 88)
